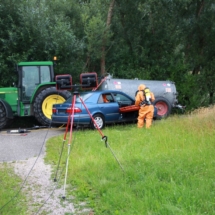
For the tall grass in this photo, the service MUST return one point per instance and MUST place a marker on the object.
(9, 187)
(168, 169)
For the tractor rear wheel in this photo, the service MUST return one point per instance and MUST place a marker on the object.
(44, 102)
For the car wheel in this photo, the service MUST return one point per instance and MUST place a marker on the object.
(163, 107)
(99, 120)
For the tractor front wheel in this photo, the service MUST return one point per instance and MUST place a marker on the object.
(44, 102)
(5, 120)
(3, 116)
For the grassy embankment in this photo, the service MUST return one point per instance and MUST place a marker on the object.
(168, 169)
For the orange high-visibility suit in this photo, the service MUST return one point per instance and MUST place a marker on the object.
(146, 112)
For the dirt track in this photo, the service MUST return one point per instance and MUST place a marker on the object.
(21, 151)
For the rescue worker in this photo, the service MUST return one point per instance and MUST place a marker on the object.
(146, 110)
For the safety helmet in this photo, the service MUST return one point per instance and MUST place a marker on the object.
(141, 87)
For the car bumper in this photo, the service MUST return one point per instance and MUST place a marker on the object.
(77, 119)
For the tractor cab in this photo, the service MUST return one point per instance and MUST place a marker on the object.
(32, 74)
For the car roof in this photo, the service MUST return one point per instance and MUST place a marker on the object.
(106, 91)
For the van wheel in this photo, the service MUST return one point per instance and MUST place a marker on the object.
(99, 119)
(163, 107)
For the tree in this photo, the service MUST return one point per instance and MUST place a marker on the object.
(197, 38)
(108, 23)
(31, 31)
(129, 39)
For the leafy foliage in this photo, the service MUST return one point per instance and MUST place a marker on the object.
(146, 39)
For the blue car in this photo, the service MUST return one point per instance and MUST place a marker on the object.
(107, 106)
(104, 106)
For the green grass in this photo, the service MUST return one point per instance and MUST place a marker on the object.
(168, 169)
(9, 186)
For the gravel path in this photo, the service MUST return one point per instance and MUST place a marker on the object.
(22, 152)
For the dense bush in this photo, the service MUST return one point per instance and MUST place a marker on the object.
(148, 40)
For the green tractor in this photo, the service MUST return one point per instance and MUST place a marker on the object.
(34, 95)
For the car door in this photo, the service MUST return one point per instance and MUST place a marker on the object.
(124, 101)
(108, 107)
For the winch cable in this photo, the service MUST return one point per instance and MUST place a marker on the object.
(103, 136)
(108, 146)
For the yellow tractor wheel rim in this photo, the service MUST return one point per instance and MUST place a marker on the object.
(49, 102)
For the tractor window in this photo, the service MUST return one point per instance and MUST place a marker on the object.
(30, 80)
(45, 74)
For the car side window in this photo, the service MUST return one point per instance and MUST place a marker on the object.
(100, 99)
(109, 97)
(121, 98)
(105, 98)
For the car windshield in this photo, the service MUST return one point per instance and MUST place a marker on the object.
(84, 97)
